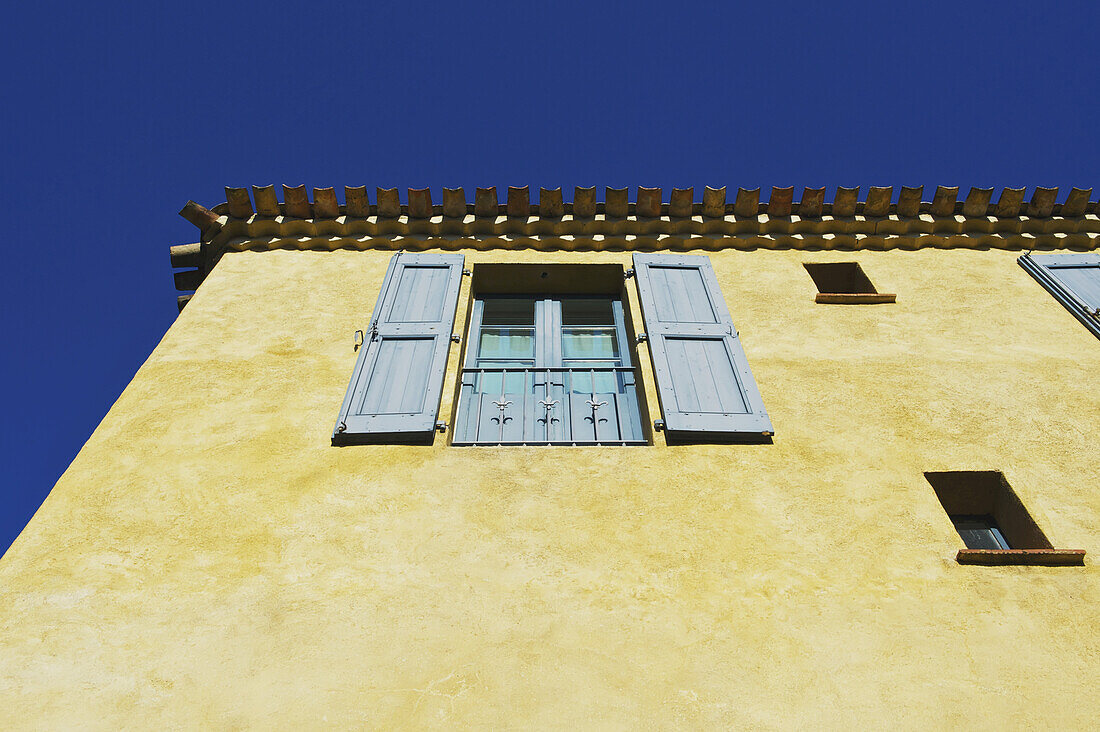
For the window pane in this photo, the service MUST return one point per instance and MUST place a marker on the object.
(513, 383)
(582, 381)
(497, 343)
(508, 311)
(979, 532)
(589, 343)
(584, 311)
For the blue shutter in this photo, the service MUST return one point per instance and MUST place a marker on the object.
(1073, 279)
(706, 389)
(395, 388)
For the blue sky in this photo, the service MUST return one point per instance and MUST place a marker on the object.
(114, 116)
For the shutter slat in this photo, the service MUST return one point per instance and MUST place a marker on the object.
(1074, 281)
(398, 378)
(706, 389)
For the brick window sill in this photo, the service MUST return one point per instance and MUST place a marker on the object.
(1022, 557)
(855, 298)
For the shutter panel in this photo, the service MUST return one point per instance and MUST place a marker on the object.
(398, 379)
(1073, 279)
(706, 389)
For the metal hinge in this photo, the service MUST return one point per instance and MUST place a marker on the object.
(658, 424)
(641, 338)
(441, 427)
(629, 273)
(466, 273)
(455, 338)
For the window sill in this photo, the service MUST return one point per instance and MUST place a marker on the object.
(855, 298)
(1022, 557)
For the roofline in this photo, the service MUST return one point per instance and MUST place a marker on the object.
(645, 223)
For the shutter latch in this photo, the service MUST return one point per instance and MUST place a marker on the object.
(358, 340)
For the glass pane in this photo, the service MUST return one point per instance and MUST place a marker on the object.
(508, 311)
(979, 532)
(497, 343)
(589, 343)
(584, 311)
(582, 381)
(513, 383)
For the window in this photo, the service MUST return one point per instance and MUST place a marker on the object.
(550, 369)
(844, 283)
(992, 521)
(1073, 280)
(979, 532)
(550, 356)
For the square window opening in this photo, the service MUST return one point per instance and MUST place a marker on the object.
(844, 283)
(992, 521)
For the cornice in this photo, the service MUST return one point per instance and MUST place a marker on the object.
(585, 224)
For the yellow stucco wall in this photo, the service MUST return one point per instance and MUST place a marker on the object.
(209, 560)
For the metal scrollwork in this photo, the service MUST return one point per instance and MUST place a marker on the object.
(502, 405)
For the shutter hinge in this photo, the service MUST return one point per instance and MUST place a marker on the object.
(658, 424)
(641, 338)
(466, 273)
(441, 427)
(358, 340)
(456, 338)
(629, 273)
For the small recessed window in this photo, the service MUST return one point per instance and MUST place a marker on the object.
(845, 283)
(993, 523)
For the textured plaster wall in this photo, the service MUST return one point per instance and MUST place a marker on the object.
(208, 560)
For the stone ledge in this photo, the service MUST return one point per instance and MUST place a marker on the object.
(1022, 557)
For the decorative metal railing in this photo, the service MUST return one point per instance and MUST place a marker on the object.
(586, 405)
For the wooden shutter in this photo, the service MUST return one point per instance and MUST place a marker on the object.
(398, 379)
(1073, 279)
(706, 389)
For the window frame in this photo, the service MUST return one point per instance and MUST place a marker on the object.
(549, 355)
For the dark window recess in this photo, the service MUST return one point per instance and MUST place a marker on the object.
(844, 283)
(1073, 280)
(992, 521)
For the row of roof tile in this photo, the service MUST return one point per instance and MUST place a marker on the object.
(649, 203)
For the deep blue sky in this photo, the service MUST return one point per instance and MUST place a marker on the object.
(114, 116)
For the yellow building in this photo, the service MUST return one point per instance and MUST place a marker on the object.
(866, 502)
